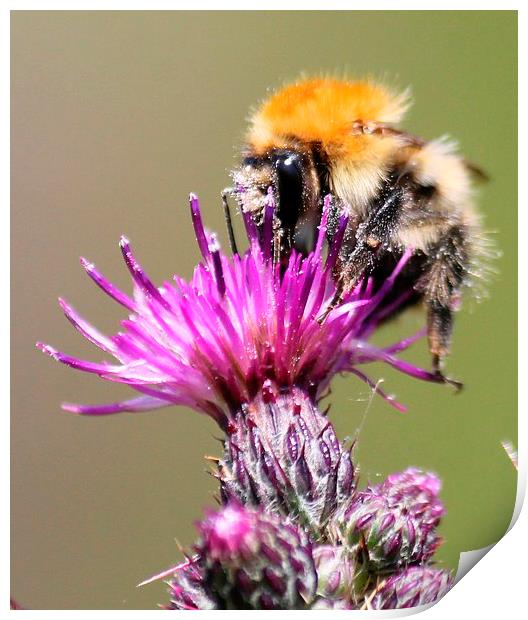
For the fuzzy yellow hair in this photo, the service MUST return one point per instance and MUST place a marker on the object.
(323, 110)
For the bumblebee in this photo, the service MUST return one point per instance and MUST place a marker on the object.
(326, 136)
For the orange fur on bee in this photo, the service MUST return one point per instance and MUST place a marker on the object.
(324, 110)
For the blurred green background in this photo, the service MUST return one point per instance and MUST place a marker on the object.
(116, 116)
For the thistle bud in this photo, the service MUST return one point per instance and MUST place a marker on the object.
(254, 560)
(335, 572)
(331, 604)
(418, 492)
(416, 585)
(283, 453)
(187, 589)
(392, 524)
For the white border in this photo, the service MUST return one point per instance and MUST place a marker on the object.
(259, 5)
(496, 584)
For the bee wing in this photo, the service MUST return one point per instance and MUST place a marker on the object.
(478, 173)
(412, 140)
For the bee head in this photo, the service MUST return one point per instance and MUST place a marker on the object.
(291, 174)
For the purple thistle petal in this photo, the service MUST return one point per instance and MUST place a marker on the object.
(134, 405)
(406, 343)
(375, 388)
(74, 362)
(107, 286)
(214, 250)
(267, 228)
(370, 353)
(199, 230)
(411, 370)
(138, 273)
(240, 321)
(335, 246)
(323, 226)
(87, 330)
(251, 229)
(389, 282)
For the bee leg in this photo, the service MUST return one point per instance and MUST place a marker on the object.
(439, 330)
(375, 232)
(441, 284)
(336, 300)
(227, 216)
(370, 237)
(360, 262)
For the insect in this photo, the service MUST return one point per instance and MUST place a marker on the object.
(326, 136)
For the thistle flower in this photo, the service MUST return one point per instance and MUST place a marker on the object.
(253, 560)
(213, 342)
(254, 341)
(393, 524)
(416, 585)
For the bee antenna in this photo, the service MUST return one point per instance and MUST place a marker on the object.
(227, 216)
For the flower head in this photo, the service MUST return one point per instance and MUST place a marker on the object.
(282, 453)
(418, 492)
(252, 560)
(416, 585)
(393, 524)
(212, 342)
